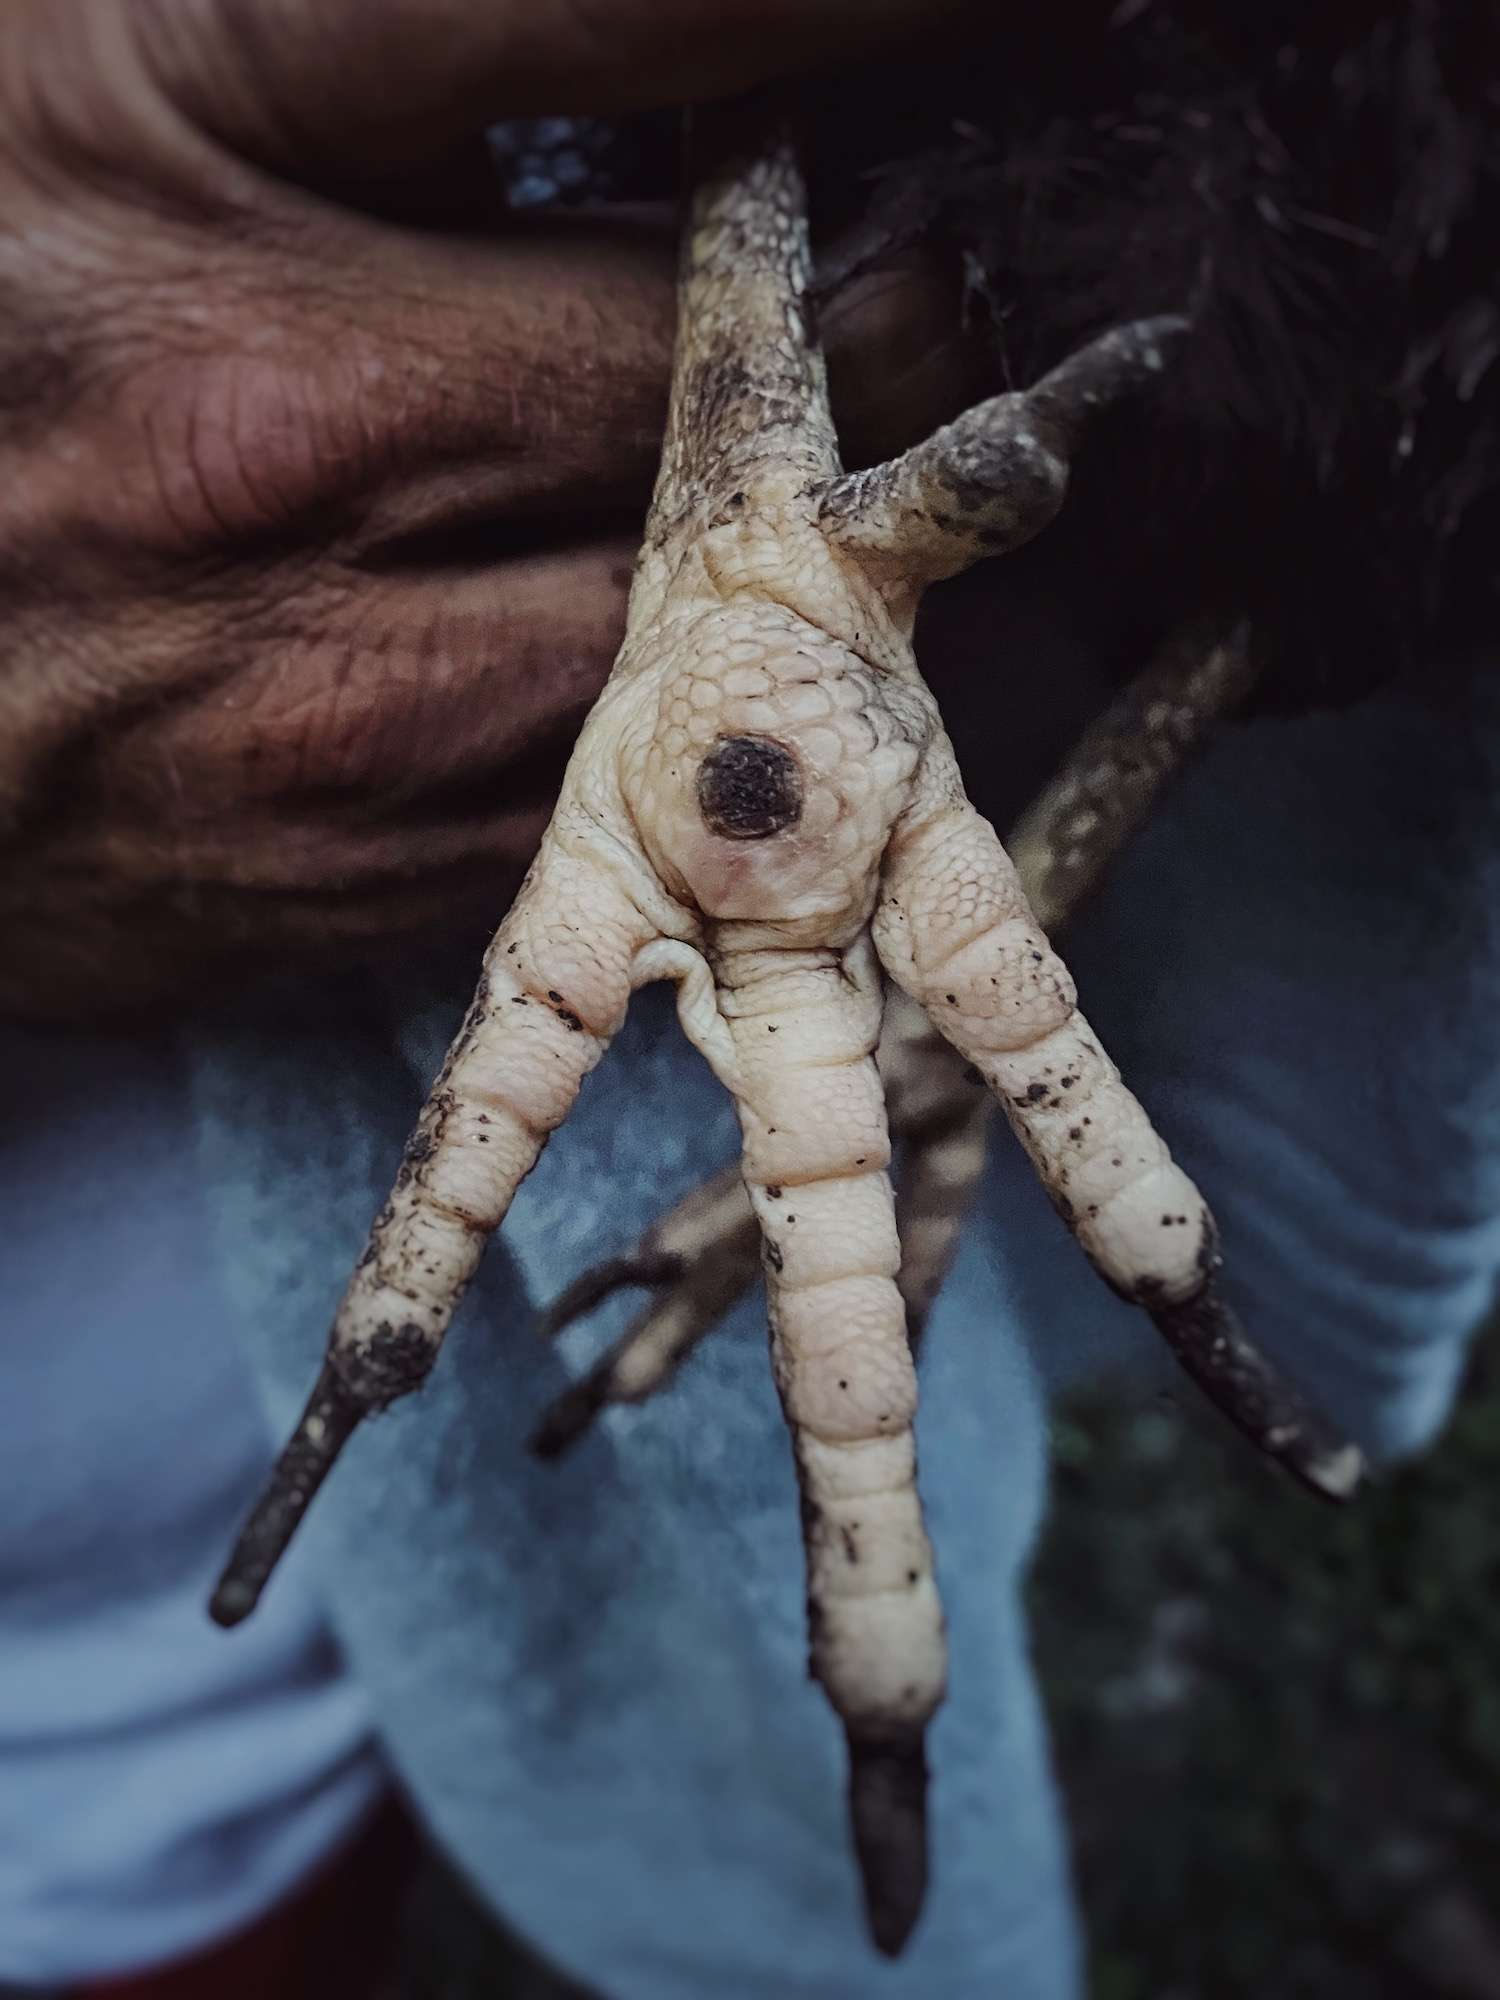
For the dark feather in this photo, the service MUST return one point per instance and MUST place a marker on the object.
(1326, 200)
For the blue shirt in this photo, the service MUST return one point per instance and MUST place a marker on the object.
(591, 1675)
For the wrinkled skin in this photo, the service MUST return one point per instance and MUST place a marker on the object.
(320, 481)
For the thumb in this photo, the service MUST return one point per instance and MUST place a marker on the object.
(390, 83)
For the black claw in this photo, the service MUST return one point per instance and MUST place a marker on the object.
(591, 1288)
(1207, 1338)
(332, 1414)
(888, 1810)
(1097, 375)
(566, 1420)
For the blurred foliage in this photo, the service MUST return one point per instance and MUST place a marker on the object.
(1278, 1725)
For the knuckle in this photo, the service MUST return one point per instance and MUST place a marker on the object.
(865, 1388)
(1005, 989)
(1150, 1229)
(233, 449)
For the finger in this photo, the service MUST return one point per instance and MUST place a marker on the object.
(390, 83)
(389, 389)
(955, 930)
(644, 1269)
(713, 1219)
(366, 776)
(700, 1258)
(403, 711)
(816, 1148)
(900, 359)
(373, 389)
(749, 385)
(553, 993)
(1063, 845)
(536, 372)
(1069, 838)
(996, 476)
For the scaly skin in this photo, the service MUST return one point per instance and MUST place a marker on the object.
(761, 800)
(702, 1255)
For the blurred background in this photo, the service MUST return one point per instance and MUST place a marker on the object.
(1278, 1728)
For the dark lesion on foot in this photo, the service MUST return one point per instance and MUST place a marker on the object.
(749, 787)
(888, 1814)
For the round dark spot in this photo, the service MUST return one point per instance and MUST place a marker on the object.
(749, 788)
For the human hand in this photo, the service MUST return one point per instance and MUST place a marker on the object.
(318, 509)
